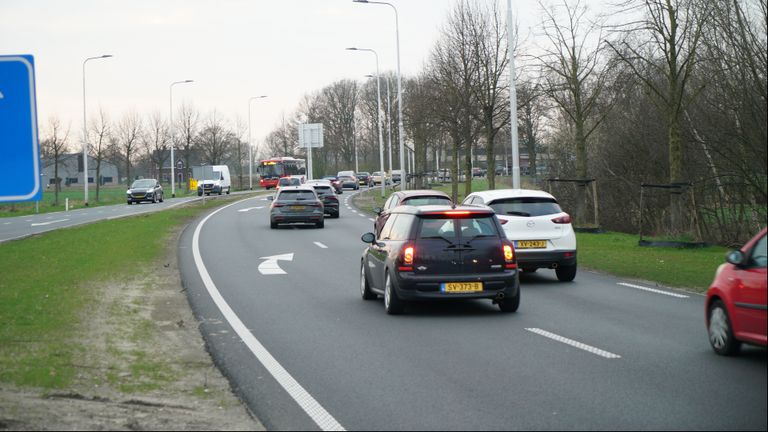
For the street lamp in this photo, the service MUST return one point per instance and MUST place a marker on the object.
(85, 129)
(513, 102)
(378, 114)
(389, 126)
(401, 132)
(170, 125)
(250, 144)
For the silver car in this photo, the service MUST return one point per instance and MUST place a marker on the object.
(296, 204)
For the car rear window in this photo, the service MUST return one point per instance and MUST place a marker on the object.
(323, 190)
(526, 206)
(296, 195)
(451, 229)
(422, 201)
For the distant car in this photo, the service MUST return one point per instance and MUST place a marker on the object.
(349, 182)
(288, 181)
(345, 174)
(478, 172)
(327, 194)
(411, 197)
(540, 229)
(219, 183)
(296, 204)
(335, 183)
(736, 305)
(145, 190)
(396, 176)
(377, 177)
(440, 253)
(363, 177)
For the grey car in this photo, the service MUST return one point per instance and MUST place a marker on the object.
(145, 190)
(296, 204)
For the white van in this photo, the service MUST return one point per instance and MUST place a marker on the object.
(219, 182)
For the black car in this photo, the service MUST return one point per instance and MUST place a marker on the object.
(440, 252)
(294, 204)
(364, 178)
(145, 190)
(335, 183)
(418, 197)
(327, 194)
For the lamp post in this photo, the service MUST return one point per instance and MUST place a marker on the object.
(85, 130)
(170, 125)
(401, 132)
(250, 144)
(389, 126)
(378, 114)
(513, 102)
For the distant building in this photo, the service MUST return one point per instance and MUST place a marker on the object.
(71, 171)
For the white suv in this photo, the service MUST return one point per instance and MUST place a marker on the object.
(541, 231)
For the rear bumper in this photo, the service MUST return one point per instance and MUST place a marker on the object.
(296, 217)
(411, 286)
(548, 259)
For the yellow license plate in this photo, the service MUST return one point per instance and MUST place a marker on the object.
(531, 244)
(297, 208)
(461, 287)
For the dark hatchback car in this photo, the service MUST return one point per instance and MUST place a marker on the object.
(440, 252)
(327, 194)
(145, 190)
(364, 178)
(411, 197)
(335, 183)
(296, 204)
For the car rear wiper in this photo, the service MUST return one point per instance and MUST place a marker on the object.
(518, 213)
(439, 237)
(478, 236)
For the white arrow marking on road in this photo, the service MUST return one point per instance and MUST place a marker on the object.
(271, 267)
(48, 223)
(249, 209)
(1, 95)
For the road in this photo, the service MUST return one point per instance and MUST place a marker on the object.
(305, 352)
(13, 228)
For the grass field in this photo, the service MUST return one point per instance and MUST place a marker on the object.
(49, 281)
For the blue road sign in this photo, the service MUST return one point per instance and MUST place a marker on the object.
(19, 146)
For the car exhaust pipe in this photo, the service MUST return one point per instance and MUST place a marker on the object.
(554, 265)
(499, 297)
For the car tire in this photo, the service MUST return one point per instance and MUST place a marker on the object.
(130, 202)
(365, 287)
(199, 193)
(720, 331)
(272, 225)
(321, 224)
(229, 190)
(566, 273)
(162, 197)
(393, 305)
(510, 304)
(154, 199)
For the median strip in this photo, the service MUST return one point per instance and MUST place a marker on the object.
(651, 290)
(573, 343)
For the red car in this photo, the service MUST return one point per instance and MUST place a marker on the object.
(736, 305)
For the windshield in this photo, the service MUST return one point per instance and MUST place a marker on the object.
(450, 229)
(422, 201)
(145, 183)
(324, 190)
(526, 207)
(296, 195)
(271, 169)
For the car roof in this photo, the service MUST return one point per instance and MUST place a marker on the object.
(431, 209)
(420, 193)
(300, 188)
(512, 193)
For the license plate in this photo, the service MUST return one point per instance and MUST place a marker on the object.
(461, 287)
(530, 244)
(297, 208)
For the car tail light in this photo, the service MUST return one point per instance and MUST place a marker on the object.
(566, 219)
(503, 221)
(509, 257)
(277, 204)
(407, 261)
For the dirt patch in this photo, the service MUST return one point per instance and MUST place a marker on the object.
(143, 366)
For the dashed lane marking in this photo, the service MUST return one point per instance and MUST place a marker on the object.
(667, 293)
(321, 246)
(575, 344)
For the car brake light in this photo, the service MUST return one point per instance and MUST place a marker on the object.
(509, 257)
(503, 221)
(456, 213)
(277, 205)
(562, 219)
(407, 265)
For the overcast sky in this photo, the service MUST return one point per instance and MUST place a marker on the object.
(233, 49)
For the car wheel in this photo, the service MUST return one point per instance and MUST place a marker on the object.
(720, 331)
(199, 193)
(566, 273)
(336, 216)
(228, 190)
(321, 224)
(162, 197)
(510, 304)
(392, 303)
(273, 225)
(154, 199)
(365, 288)
(130, 202)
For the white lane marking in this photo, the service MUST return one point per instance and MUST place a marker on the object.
(321, 246)
(361, 215)
(7, 223)
(310, 406)
(573, 343)
(48, 223)
(651, 290)
(250, 208)
(271, 267)
(372, 219)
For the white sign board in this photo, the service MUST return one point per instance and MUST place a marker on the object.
(311, 135)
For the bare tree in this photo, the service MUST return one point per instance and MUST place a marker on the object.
(157, 144)
(214, 140)
(530, 114)
(99, 130)
(128, 137)
(187, 128)
(240, 148)
(55, 144)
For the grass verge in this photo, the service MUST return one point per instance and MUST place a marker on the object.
(48, 283)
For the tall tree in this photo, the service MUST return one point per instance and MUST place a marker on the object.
(100, 130)
(55, 144)
(214, 140)
(157, 144)
(186, 129)
(128, 137)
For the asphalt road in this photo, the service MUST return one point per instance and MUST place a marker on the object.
(305, 352)
(13, 228)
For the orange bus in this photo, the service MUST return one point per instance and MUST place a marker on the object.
(271, 170)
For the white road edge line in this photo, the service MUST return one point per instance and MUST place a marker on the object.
(321, 246)
(310, 406)
(573, 343)
(651, 290)
(372, 219)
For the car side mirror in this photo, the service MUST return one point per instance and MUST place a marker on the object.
(377, 210)
(271, 198)
(368, 238)
(736, 258)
